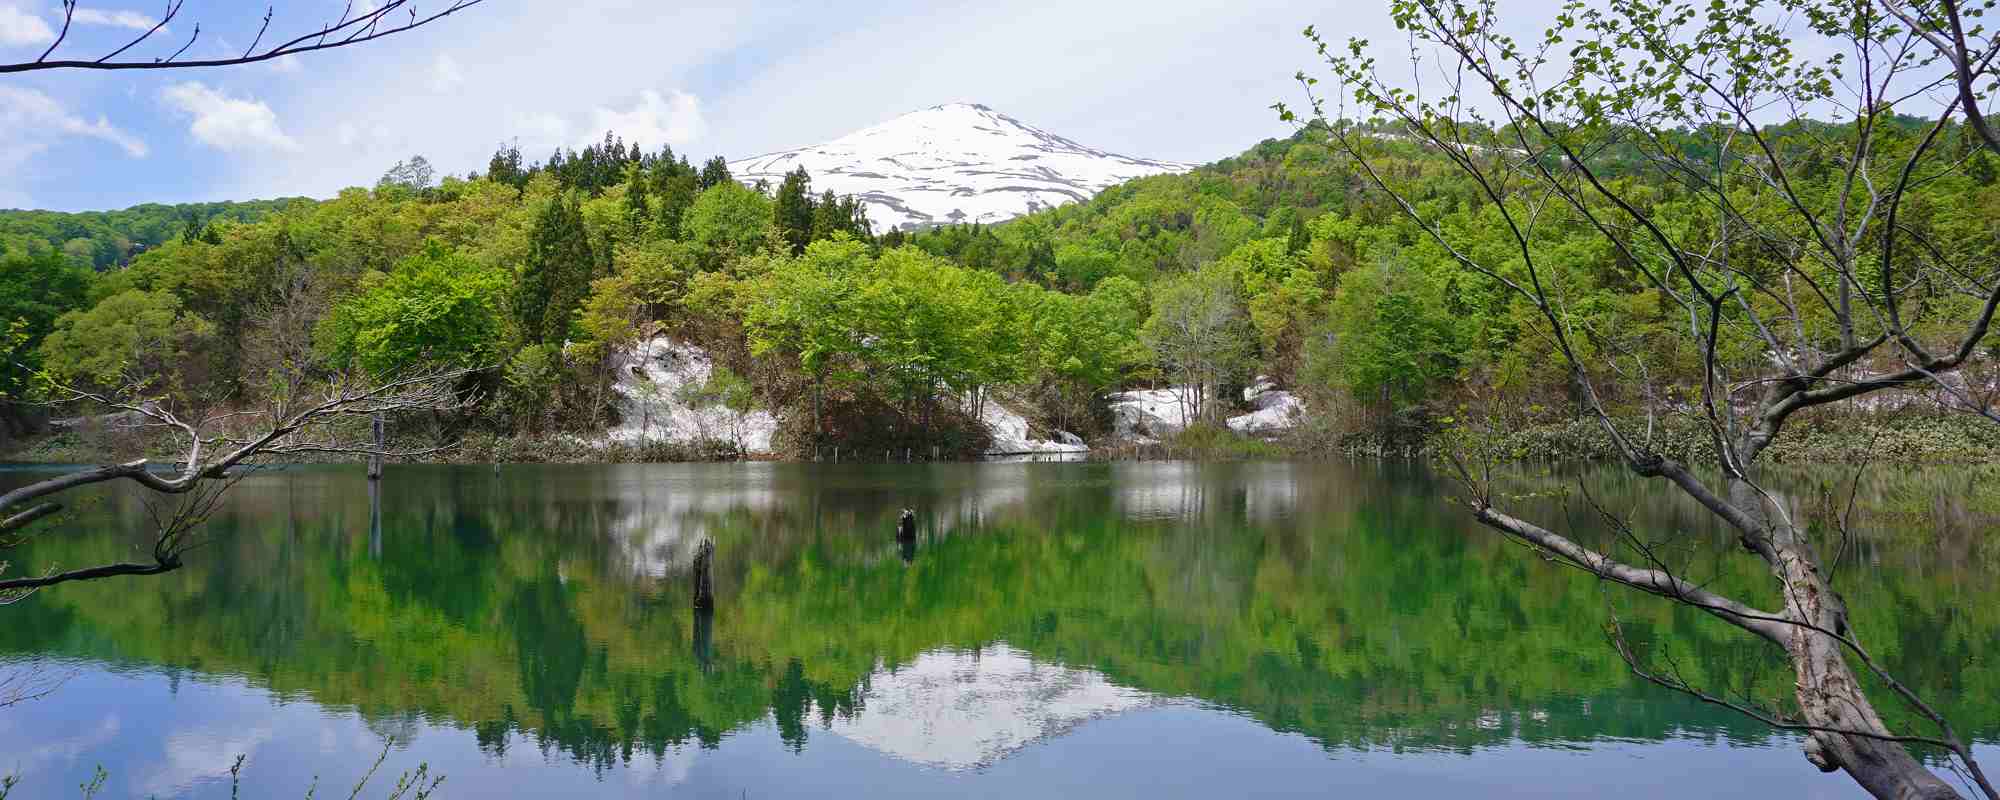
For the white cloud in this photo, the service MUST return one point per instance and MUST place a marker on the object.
(284, 65)
(445, 74)
(226, 123)
(27, 115)
(19, 28)
(201, 754)
(539, 130)
(656, 119)
(374, 138)
(117, 19)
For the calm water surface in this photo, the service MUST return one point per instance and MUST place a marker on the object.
(1148, 630)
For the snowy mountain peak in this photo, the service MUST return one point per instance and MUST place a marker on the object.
(957, 162)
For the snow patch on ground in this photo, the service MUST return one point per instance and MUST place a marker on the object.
(650, 379)
(1147, 414)
(1012, 438)
(1273, 409)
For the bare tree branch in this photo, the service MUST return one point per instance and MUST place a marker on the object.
(349, 29)
(210, 465)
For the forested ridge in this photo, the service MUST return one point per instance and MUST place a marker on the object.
(103, 240)
(1283, 261)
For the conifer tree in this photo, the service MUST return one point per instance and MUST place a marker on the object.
(1041, 259)
(856, 216)
(793, 211)
(714, 172)
(557, 274)
(638, 200)
(826, 216)
(505, 166)
(674, 194)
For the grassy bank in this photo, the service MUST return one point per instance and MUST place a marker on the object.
(1886, 439)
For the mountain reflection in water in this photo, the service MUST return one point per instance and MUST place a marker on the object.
(1112, 630)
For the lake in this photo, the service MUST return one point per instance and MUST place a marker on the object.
(1102, 630)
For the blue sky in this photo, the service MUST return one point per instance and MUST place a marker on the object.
(1187, 81)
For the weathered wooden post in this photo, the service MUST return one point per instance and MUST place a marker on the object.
(375, 458)
(703, 580)
(375, 518)
(703, 577)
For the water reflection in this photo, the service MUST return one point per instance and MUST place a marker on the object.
(959, 710)
(539, 617)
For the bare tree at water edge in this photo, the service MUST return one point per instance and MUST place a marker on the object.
(217, 449)
(1791, 255)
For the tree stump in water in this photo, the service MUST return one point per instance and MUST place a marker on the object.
(704, 576)
(375, 458)
(704, 638)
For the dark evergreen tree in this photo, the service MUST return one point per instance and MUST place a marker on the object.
(505, 166)
(673, 193)
(638, 200)
(793, 210)
(1041, 261)
(714, 172)
(826, 217)
(190, 227)
(856, 214)
(557, 274)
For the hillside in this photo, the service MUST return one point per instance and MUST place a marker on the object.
(1281, 268)
(101, 239)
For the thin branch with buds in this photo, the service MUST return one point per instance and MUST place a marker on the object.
(350, 29)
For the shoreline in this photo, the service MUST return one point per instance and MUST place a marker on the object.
(1899, 439)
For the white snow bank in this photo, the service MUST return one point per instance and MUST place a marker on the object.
(1147, 414)
(650, 379)
(1011, 436)
(1274, 409)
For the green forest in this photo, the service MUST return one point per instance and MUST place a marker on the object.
(1283, 261)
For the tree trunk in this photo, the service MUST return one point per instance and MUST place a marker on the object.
(1829, 694)
(375, 458)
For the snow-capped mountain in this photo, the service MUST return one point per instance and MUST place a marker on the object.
(960, 162)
